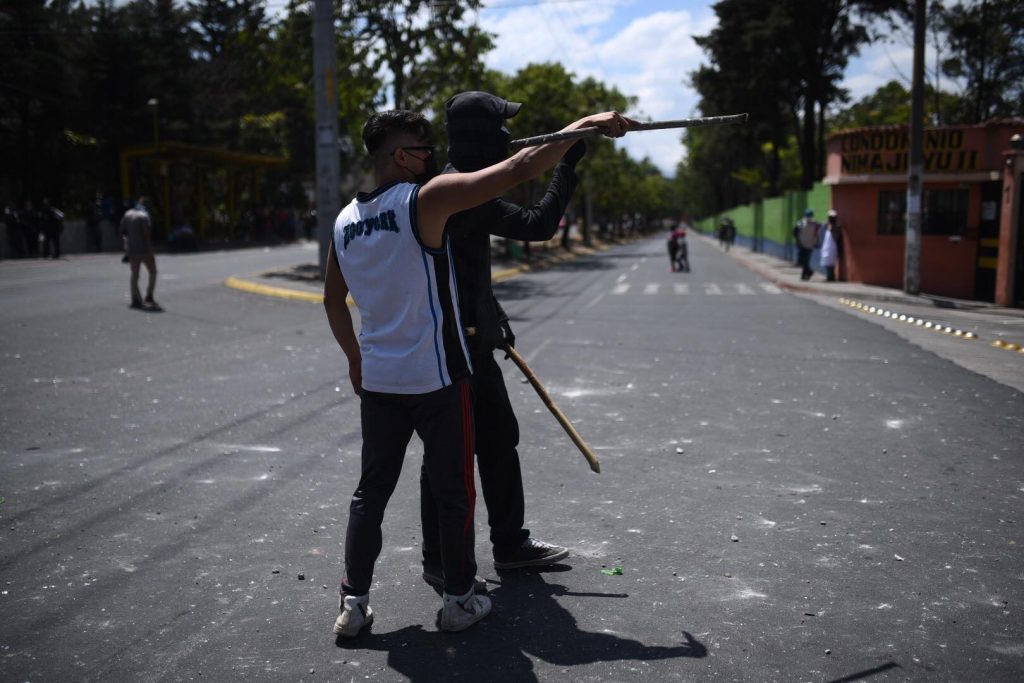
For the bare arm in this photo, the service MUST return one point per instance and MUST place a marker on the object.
(340, 320)
(450, 193)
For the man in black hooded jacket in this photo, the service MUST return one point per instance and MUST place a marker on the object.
(477, 138)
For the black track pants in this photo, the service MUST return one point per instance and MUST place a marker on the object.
(501, 479)
(444, 421)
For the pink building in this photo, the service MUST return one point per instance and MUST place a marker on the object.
(972, 186)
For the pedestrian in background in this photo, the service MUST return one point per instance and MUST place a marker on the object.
(673, 248)
(51, 222)
(15, 238)
(806, 234)
(681, 259)
(137, 234)
(837, 235)
(829, 253)
(29, 228)
(727, 233)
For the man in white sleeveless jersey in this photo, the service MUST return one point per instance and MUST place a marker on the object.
(409, 363)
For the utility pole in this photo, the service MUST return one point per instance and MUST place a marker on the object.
(912, 251)
(325, 65)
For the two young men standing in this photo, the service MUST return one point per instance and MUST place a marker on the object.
(412, 362)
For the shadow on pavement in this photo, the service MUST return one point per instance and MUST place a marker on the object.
(861, 675)
(527, 623)
(308, 273)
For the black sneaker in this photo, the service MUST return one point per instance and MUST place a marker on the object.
(435, 578)
(531, 553)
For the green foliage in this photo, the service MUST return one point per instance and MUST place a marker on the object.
(422, 45)
(782, 62)
(985, 42)
(81, 82)
(890, 104)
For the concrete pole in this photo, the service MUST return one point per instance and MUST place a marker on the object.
(912, 252)
(325, 64)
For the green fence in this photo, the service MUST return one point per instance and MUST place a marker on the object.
(768, 225)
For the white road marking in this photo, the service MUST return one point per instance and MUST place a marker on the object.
(621, 288)
(770, 288)
(595, 300)
(743, 289)
(651, 288)
(681, 288)
(712, 288)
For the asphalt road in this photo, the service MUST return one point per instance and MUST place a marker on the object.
(793, 493)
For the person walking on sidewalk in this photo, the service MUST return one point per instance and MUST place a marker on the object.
(806, 233)
(136, 232)
(477, 138)
(837, 236)
(829, 252)
(410, 364)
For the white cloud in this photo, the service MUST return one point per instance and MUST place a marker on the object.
(649, 57)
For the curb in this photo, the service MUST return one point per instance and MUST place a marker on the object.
(497, 276)
(279, 292)
(929, 325)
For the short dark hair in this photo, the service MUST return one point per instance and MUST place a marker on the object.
(384, 125)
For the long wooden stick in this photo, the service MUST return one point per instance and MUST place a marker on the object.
(559, 415)
(654, 125)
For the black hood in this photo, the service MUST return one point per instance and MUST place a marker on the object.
(477, 136)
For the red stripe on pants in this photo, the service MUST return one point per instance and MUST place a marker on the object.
(467, 454)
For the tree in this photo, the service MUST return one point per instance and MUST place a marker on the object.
(423, 46)
(782, 62)
(229, 62)
(985, 41)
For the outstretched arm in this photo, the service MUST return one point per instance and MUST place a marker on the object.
(540, 221)
(450, 193)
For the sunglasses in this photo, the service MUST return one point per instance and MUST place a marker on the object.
(429, 149)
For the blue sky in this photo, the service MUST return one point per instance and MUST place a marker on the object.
(646, 49)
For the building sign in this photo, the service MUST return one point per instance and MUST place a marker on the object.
(887, 151)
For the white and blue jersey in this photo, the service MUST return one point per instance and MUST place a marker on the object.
(411, 337)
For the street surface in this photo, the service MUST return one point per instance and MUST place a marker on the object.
(793, 492)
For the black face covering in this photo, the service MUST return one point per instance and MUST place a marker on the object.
(477, 143)
(475, 123)
(429, 170)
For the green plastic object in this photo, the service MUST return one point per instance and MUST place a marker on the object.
(614, 571)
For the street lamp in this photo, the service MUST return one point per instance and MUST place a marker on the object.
(154, 104)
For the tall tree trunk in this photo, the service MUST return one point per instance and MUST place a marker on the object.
(819, 153)
(807, 150)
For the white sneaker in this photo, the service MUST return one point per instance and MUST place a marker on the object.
(355, 615)
(462, 611)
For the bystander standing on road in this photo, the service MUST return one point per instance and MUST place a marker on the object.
(136, 232)
(673, 248)
(410, 364)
